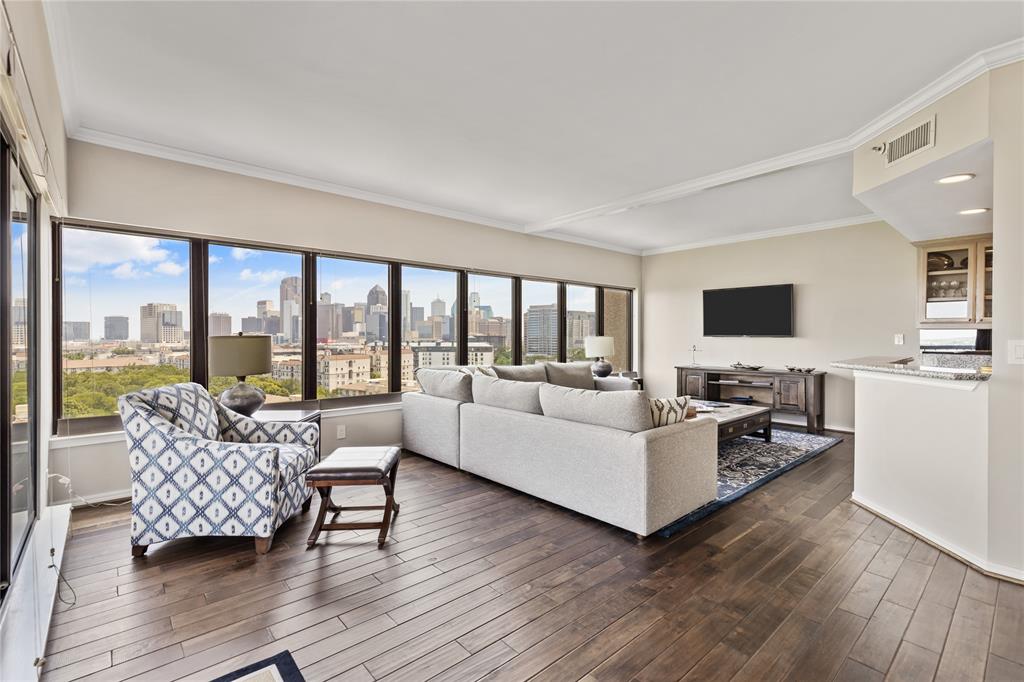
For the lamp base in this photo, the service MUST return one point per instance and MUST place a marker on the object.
(601, 368)
(243, 398)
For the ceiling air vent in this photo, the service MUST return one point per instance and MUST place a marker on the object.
(910, 142)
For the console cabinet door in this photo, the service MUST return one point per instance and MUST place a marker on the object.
(791, 394)
(693, 384)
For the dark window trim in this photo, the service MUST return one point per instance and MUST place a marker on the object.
(6, 556)
(57, 323)
(199, 294)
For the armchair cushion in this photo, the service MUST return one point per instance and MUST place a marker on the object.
(188, 406)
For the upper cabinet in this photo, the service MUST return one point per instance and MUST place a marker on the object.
(955, 282)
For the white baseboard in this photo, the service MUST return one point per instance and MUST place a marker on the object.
(982, 564)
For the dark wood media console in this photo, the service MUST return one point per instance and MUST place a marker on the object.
(784, 392)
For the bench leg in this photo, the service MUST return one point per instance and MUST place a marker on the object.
(325, 503)
(385, 523)
(139, 550)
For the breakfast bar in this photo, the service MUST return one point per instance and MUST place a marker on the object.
(921, 450)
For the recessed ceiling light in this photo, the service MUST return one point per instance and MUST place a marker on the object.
(974, 211)
(952, 179)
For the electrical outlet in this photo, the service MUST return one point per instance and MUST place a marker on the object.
(340, 435)
(898, 339)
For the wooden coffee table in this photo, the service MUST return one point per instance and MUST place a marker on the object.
(741, 420)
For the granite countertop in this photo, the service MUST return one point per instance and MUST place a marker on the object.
(910, 367)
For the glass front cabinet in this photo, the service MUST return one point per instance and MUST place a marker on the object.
(955, 282)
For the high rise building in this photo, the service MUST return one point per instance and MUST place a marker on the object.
(271, 325)
(265, 309)
(579, 324)
(417, 316)
(376, 296)
(219, 324)
(76, 331)
(291, 308)
(252, 325)
(474, 300)
(161, 323)
(19, 323)
(437, 308)
(541, 325)
(377, 323)
(115, 328)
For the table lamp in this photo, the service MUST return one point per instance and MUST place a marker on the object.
(599, 347)
(240, 356)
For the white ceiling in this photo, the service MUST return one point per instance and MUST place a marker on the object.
(516, 114)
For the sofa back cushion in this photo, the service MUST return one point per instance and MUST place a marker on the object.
(521, 396)
(625, 410)
(521, 372)
(570, 374)
(446, 383)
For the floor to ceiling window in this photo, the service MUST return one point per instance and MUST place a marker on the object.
(351, 327)
(490, 326)
(18, 461)
(618, 315)
(540, 321)
(430, 324)
(259, 291)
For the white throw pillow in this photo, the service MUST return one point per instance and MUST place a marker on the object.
(665, 411)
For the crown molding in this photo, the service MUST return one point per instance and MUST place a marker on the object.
(583, 241)
(130, 144)
(976, 65)
(767, 234)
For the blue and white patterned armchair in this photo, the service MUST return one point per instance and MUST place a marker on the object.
(201, 469)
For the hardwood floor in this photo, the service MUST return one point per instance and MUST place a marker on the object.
(794, 582)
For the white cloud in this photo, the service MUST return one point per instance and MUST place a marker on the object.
(249, 275)
(214, 259)
(85, 249)
(126, 271)
(169, 267)
(241, 254)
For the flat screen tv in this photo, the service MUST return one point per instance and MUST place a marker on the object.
(749, 311)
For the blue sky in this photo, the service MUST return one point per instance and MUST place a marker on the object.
(114, 274)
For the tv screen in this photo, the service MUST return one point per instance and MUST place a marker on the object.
(749, 311)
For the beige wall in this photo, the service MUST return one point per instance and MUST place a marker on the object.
(1006, 390)
(961, 119)
(124, 187)
(855, 289)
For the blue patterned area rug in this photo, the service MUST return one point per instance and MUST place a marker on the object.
(745, 464)
(278, 668)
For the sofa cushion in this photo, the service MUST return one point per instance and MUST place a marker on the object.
(570, 374)
(521, 372)
(625, 410)
(665, 411)
(446, 383)
(521, 396)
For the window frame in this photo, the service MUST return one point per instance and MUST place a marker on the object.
(10, 557)
(199, 302)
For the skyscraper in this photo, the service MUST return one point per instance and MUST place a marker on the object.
(76, 331)
(252, 325)
(437, 308)
(406, 311)
(291, 308)
(219, 324)
(115, 328)
(161, 323)
(541, 325)
(376, 296)
(264, 309)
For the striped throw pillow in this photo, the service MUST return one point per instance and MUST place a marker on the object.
(665, 411)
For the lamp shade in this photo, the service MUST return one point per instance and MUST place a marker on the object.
(598, 346)
(239, 356)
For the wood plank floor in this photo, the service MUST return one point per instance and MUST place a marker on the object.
(480, 582)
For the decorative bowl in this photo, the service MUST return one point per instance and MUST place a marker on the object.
(740, 365)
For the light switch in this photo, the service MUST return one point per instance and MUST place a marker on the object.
(1015, 356)
(898, 339)
(341, 432)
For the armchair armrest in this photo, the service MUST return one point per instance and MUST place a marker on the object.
(237, 428)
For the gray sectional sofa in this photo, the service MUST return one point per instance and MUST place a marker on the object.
(556, 432)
